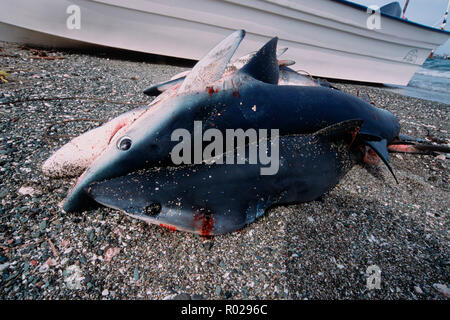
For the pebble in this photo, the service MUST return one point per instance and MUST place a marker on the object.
(43, 225)
(26, 191)
(136, 274)
(442, 288)
(182, 296)
(4, 266)
(418, 290)
(3, 193)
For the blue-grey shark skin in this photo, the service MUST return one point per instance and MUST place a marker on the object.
(212, 199)
(241, 101)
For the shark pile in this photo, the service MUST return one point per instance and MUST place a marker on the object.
(317, 133)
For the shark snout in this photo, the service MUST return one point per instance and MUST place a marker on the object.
(72, 159)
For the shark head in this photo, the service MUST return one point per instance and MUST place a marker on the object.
(78, 154)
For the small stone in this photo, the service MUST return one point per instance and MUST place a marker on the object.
(43, 225)
(27, 191)
(442, 288)
(3, 193)
(208, 245)
(136, 274)
(105, 292)
(50, 262)
(73, 277)
(90, 235)
(44, 268)
(218, 290)
(418, 290)
(182, 296)
(4, 266)
(111, 253)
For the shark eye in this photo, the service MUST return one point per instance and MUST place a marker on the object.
(124, 143)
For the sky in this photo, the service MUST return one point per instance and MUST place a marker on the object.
(428, 12)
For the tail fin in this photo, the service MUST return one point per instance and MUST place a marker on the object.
(380, 147)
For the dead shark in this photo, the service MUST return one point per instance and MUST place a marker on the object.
(247, 98)
(208, 199)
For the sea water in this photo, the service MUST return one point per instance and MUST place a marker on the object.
(431, 82)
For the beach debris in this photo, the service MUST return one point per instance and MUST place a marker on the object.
(50, 262)
(3, 76)
(27, 191)
(418, 290)
(52, 246)
(41, 54)
(442, 289)
(73, 277)
(111, 253)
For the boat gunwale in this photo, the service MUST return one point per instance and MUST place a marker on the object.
(424, 45)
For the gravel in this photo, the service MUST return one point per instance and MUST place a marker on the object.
(316, 250)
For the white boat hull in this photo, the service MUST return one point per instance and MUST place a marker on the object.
(326, 38)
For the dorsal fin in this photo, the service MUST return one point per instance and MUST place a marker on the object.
(264, 65)
(211, 67)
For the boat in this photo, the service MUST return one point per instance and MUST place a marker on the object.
(333, 39)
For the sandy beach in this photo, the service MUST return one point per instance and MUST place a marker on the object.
(315, 250)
